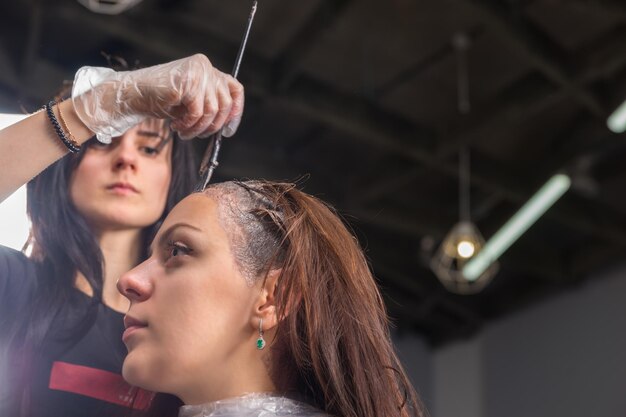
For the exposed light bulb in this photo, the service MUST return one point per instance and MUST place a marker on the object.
(465, 249)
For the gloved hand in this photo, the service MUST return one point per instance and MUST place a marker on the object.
(198, 98)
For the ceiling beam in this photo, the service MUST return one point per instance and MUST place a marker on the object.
(33, 38)
(427, 303)
(266, 165)
(173, 43)
(8, 68)
(289, 60)
(427, 62)
(516, 101)
(361, 121)
(585, 262)
(44, 81)
(614, 8)
(519, 99)
(546, 263)
(533, 46)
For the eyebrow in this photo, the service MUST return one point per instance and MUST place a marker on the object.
(163, 237)
(150, 133)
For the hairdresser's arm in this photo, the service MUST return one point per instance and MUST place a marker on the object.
(29, 146)
(198, 98)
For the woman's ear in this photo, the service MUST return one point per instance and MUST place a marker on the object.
(265, 308)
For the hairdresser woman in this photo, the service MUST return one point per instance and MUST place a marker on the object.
(94, 204)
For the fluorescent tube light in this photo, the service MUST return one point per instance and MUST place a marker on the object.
(617, 120)
(517, 225)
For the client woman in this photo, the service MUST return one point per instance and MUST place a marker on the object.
(257, 301)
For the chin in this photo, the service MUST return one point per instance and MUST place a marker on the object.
(146, 374)
(123, 220)
(138, 216)
(136, 374)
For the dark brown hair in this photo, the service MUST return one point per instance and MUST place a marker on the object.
(63, 243)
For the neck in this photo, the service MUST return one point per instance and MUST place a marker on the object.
(251, 374)
(120, 252)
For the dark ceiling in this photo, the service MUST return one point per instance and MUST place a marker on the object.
(360, 97)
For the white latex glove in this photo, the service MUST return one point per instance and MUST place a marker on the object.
(198, 98)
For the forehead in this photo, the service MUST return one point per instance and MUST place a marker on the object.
(155, 131)
(202, 213)
(156, 125)
(197, 208)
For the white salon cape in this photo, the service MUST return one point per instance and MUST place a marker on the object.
(252, 405)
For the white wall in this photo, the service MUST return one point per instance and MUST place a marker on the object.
(458, 380)
(14, 223)
(416, 357)
(565, 357)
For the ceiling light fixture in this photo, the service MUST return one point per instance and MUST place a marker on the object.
(464, 240)
(517, 225)
(462, 243)
(111, 7)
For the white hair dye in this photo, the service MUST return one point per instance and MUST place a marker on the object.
(244, 213)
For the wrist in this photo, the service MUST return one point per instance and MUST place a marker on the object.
(79, 130)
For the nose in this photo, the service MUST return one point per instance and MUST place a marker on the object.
(125, 154)
(136, 284)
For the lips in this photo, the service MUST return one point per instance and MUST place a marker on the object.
(132, 325)
(122, 186)
(133, 322)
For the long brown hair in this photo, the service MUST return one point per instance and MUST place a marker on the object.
(333, 344)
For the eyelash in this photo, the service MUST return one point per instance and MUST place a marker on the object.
(150, 151)
(147, 150)
(176, 246)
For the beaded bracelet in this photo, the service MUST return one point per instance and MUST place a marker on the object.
(69, 142)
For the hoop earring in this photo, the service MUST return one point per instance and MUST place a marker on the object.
(260, 342)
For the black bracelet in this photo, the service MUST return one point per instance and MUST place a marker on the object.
(69, 144)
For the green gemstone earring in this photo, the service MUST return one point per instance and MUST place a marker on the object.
(260, 342)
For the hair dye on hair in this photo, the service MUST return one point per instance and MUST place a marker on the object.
(332, 344)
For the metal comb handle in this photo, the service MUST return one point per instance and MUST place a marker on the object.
(209, 160)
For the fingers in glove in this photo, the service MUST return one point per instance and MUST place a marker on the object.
(225, 106)
(202, 127)
(189, 112)
(236, 111)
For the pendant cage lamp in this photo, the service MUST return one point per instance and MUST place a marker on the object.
(460, 245)
(110, 7)
(464, 240)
